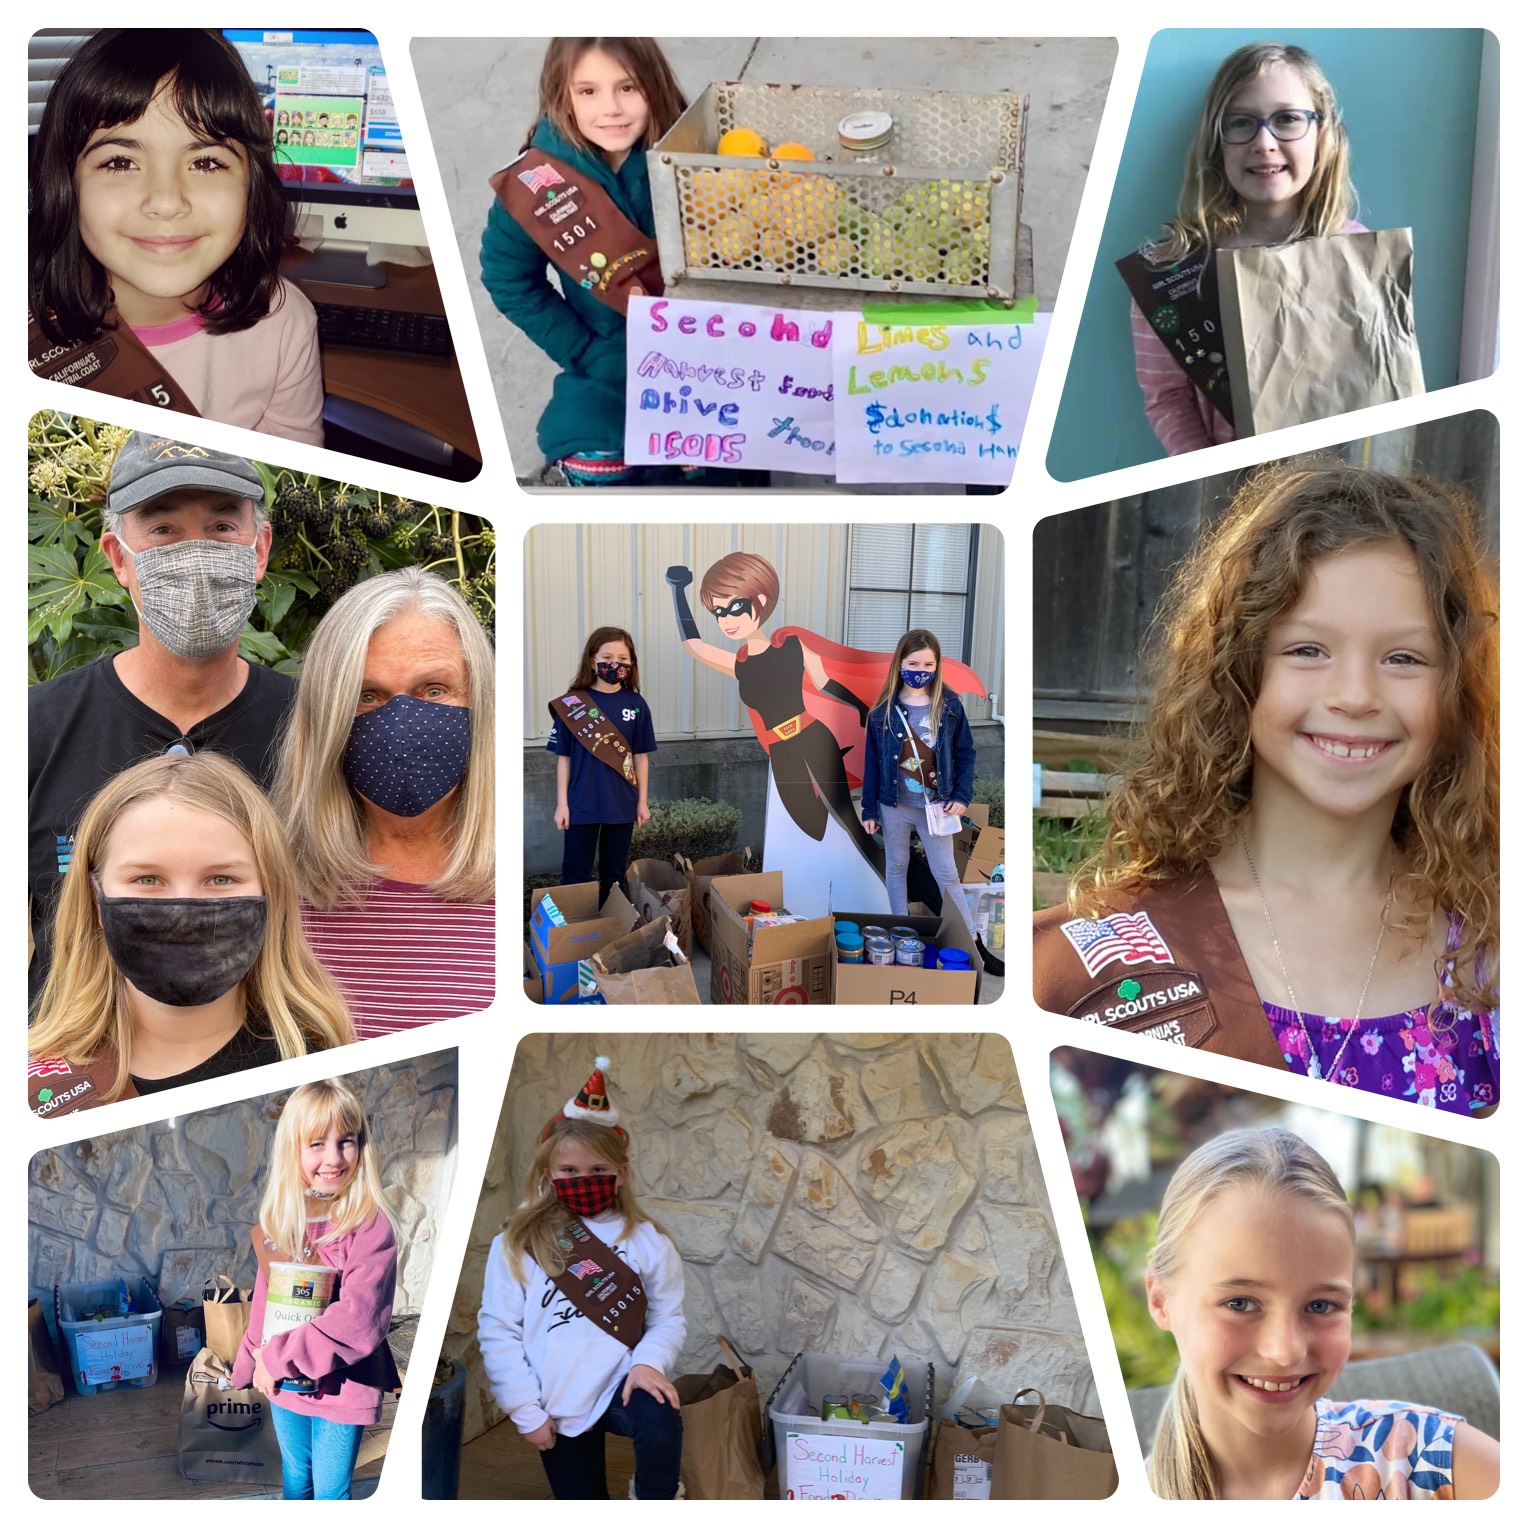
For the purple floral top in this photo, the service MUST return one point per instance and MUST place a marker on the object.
(1455, 1067)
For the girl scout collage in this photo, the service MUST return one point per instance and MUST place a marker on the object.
(393, 383)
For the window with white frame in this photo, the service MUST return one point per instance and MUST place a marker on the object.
(902, 576)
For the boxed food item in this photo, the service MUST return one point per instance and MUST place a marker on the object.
(898, 983)
(758, 959)
(569, 924)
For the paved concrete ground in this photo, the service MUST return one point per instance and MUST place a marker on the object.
(480, 100)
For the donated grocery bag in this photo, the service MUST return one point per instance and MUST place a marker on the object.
(963, 1462)
(722, 1431)
(225, 1316)
(700, 873)
(1047, 1453)
(225, 1434)
(1318, 328)
(644, 967)
(659, 890)
(45, 1385)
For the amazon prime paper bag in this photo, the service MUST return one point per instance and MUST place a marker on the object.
(1318, 328)
(225, 1434)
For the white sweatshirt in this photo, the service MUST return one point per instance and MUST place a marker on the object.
(544, 1358)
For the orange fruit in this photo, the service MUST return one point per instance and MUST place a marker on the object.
(792, 151)
(743, 141)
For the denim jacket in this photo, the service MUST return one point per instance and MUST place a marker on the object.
(954, 757)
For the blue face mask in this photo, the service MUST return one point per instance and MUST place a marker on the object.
(406, 755)
(917, 679)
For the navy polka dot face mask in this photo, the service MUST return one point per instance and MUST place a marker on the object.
(406, 755)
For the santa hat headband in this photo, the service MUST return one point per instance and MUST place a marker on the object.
(591, 1103)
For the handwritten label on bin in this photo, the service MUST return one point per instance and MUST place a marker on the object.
(114, 1352)
(729, 385)
(932, 402)
(828, 1467)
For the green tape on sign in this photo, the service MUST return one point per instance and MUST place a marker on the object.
(1022, 312)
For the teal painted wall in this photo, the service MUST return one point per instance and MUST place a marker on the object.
(1409, 100)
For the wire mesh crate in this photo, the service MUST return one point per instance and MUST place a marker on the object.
(934, 210)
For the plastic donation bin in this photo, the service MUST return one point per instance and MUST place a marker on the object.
(114, 1351)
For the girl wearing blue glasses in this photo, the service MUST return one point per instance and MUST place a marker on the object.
(1268, 165)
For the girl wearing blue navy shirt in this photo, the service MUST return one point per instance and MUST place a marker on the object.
(602, 734)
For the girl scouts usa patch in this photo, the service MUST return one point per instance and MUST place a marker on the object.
(1129, 938)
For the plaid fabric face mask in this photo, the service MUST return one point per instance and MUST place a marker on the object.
(195, 596)
(592, 1195)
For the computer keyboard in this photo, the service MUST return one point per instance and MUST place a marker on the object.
(423, 334)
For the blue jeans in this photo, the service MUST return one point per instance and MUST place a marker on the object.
(897, 825)
(575, 1467)
(317, 1456)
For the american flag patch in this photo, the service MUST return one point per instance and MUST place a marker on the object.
(584, 1269)
(50, 1067)
(540, 176)
(1129, 938)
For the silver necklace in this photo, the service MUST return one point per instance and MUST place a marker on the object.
(1312, 1065)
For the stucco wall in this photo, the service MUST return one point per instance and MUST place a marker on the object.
(859, 1194)
(174, 1201)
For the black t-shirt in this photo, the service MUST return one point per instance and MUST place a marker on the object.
(596, 793)
(770, 682)
(241, 1053)
(86, 726)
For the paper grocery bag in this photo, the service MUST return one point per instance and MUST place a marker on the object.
(45, 1385)
(225, 1316)
(963, 1459)
(644, 967)
(225, 1434)
(1318, 328)
(1048, 1453)
(700, 873)
(660, 890)
(720, 1456)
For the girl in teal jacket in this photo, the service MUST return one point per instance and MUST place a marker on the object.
(603, 100)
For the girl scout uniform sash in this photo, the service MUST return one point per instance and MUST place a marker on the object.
(114, 360)
(1164, 962)
(601, 1285)
(579, 228)
(916, 760)
(588, 725)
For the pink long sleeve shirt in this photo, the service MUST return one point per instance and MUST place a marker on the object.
(1180, 414)
(344, 1338)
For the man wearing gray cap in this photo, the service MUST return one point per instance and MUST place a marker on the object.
(186, 533)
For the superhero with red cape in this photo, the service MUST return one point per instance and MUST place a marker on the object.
(808, 697)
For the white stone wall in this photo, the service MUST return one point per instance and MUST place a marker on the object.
(860, 1194)
(174, 1202)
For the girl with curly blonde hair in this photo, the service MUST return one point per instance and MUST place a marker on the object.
(1301, 864)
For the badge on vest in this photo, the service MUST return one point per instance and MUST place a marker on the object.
(1131, 939)
(1168, 1005)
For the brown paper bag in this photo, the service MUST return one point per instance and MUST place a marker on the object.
(1047, 1453)
(700, 874)
(1318, 328)
(225, 1434)
(45, 1385)
(963, 1462)
(658, 890)
(225, 1316)
(720, 1459)
(642, 968)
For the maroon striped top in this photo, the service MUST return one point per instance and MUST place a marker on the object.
(403, 957)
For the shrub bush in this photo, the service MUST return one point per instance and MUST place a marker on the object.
(693, 826)
(989, 789)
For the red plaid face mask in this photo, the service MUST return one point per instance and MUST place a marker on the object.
(591, 1195)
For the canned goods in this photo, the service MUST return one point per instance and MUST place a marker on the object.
(880, 952)
(835, 1406)
(861, 1402)
(909, 952)
(903, 931)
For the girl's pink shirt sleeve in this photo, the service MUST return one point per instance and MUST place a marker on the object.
(1182, 418)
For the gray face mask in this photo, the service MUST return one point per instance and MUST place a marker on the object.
(195, 596)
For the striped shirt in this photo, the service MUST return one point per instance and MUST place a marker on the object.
(403, 957)
(1180, 414)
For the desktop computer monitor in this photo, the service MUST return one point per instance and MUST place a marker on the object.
(339, 148)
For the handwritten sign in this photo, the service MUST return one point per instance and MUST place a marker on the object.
(934, 402)
(724, 384)
(114, 1352)
(827, 1467)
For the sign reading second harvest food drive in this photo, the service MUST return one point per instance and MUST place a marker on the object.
(829, 1467)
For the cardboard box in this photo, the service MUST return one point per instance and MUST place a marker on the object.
(791, 963)
(657, 890)
(965, 841)
(912, 984)
(985, 856)
(587, 927)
